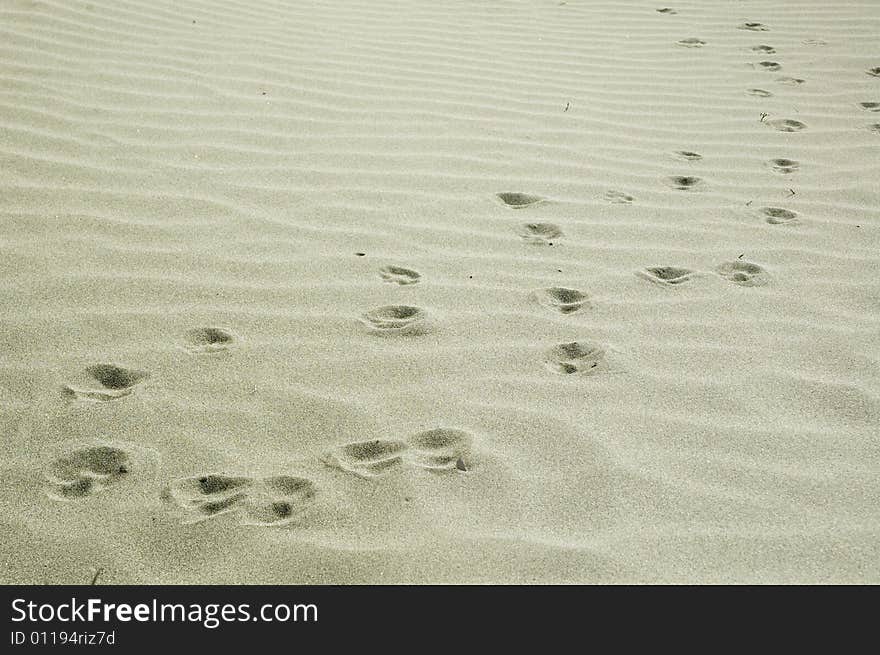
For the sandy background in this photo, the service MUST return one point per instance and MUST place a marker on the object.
(265, 317)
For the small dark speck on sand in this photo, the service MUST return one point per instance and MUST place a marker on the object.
(460, 465)
(360, 254)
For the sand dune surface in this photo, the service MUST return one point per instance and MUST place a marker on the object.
(508, 291)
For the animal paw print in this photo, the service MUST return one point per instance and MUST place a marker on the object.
(208, 339)
(618, 197)
(562, 299)
(540, 233)
(105, 382)
(666, 275)
(577, 357)
(399, 275)
(367, 459)
(518, 200)
(745, 274)
(87, 471)
(271, 501)
(396, 320)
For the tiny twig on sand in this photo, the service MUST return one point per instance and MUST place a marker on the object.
(763, 116)
(567, 105)
(97, 574)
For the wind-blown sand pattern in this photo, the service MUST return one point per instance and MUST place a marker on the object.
(385, 292)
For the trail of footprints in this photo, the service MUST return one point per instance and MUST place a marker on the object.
(282, 499)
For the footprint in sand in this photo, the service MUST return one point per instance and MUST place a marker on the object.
(874, 72)
(208, 339)
(113, 382)
(561, 299)
(760, 93)
(790, 81)
(208, 495)
(269, 501)
(278, 500)
(754, 27)
(577, 357)
(743, 273)
(778, 216)
(784, 166)
(396, 320)
(764, 49)
(874, 127)
(367, 459)
(87, 471)
(540, 233)
(786, 125)
(691, 43)
(618, 197)
(666, 275)
(687, 155)
(870, 106)
(685, 182)
(769, 65)
(442, 450)
(516, 200)
(399, 275)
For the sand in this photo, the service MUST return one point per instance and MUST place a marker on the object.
(431, 292)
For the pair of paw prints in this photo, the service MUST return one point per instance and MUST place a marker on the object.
(439, 450)
(533, 233)
(105, 382)
(271, 501)
(739, 272)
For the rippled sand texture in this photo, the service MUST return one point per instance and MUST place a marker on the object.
(379, 292)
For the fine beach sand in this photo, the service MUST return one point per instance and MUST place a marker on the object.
(419, 291)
